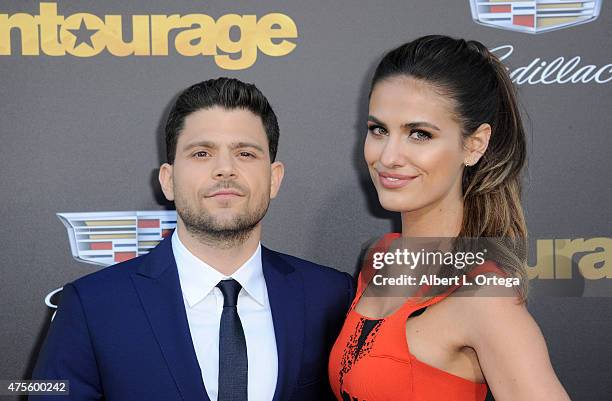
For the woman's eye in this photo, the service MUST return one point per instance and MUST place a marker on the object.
(420, 135)
(377, 130)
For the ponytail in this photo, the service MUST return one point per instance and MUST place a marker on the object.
(480, 86)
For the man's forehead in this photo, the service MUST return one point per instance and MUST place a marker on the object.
(218, 115)
(223, 126)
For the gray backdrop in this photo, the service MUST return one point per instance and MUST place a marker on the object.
(84, 134)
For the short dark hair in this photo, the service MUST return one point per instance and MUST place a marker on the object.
(229, 93)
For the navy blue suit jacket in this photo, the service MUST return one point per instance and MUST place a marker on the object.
(122, 333)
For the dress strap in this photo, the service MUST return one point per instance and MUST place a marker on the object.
(412, 304)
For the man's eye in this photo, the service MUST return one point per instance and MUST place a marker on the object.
(201, 153)
(246, 154)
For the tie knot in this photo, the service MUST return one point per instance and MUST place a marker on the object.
(230, 289)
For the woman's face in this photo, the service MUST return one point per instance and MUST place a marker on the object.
(414, 148)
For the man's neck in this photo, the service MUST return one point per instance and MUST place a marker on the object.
(226, 260)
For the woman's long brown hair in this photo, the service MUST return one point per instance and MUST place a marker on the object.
(479, 84)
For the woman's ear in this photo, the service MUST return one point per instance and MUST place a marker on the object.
(476, 144)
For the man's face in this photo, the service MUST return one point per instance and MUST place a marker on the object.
(222, 180)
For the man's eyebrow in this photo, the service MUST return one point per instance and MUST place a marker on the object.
(233, 145)
(240, 145)
(201, 144)
(412, 125)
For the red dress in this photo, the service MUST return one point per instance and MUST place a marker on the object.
(371, 359)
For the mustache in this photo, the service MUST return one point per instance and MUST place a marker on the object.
(225, 185)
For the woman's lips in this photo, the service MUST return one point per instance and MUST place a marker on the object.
(394, 181)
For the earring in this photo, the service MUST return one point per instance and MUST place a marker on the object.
(470, 162)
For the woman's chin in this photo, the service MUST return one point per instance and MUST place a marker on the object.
(396, 205)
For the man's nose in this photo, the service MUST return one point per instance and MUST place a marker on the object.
(225, 166)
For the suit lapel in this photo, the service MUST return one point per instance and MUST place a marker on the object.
(158, 287)
(286, 295)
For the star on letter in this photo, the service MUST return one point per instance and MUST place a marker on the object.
(83, 34)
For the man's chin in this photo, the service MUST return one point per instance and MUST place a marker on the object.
(220, 221)
(225, 227)
(225, 218)
(221, 228)
(228, 221)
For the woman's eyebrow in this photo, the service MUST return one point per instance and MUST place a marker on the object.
(412, 125)
(418, 124)
(375, 120)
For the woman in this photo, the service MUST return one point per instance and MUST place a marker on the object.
(445, 148)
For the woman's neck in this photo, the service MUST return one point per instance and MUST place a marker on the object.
(440, 219)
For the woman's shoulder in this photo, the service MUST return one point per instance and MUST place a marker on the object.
(490, 306)
(487, 293)
(489, 280)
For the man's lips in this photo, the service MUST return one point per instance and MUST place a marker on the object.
(224, 193)
(394, 181)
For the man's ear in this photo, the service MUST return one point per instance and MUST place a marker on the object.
(166, 180)
(277, 172)
(476, 144)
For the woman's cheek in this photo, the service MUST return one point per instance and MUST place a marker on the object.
(371, 150)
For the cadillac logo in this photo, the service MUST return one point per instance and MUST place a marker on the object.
(534, 16)
(106, 238)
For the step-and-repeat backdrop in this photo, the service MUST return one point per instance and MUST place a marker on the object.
(86, 86)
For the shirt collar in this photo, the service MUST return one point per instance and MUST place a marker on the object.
(198, 278)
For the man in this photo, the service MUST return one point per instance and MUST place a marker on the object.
(209, 314)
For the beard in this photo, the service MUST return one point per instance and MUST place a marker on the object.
(220, 233)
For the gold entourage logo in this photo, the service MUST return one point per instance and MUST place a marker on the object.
(555, 258)
(87, 35)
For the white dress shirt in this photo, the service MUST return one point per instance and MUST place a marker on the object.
(204, 304)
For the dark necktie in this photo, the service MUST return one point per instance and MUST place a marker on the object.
(232, 346)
